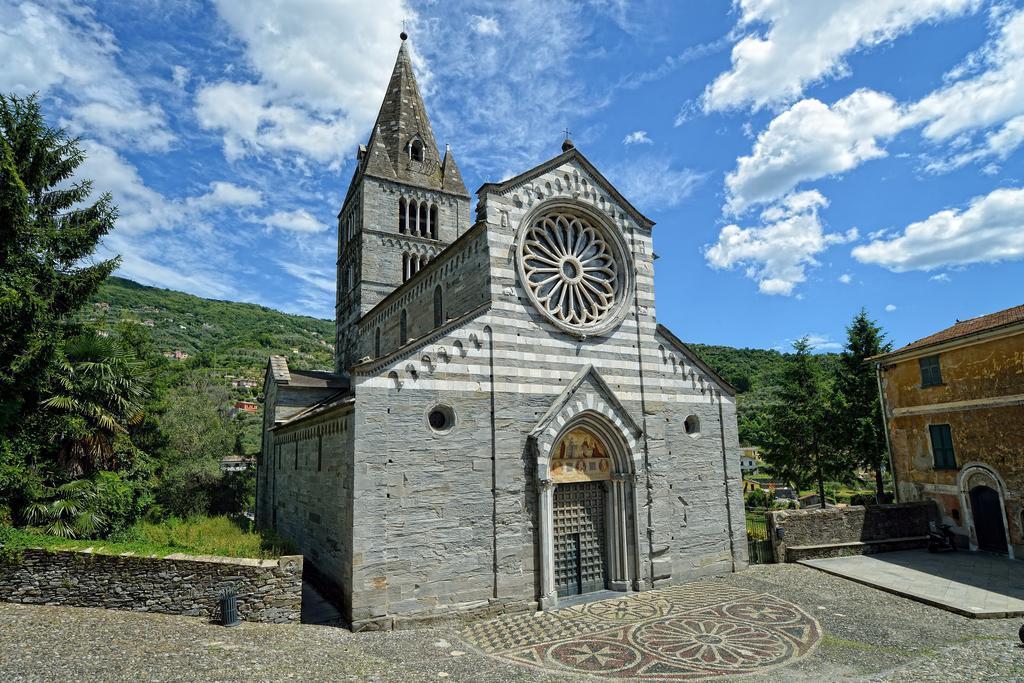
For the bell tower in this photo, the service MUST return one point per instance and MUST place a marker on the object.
(404, 205)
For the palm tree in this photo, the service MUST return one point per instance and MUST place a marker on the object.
(97, 395)
(70, 511)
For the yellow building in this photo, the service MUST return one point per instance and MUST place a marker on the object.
(953, 403)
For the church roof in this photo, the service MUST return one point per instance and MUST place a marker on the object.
(570, 153)
(401, 122)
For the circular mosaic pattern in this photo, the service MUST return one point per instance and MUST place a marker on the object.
(572, 269)
(693, 631)
(712, 642)
(595, 656)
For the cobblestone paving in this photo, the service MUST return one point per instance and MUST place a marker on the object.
(690, 632)
(867, 635)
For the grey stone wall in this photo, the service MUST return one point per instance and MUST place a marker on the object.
(268, 590)
(310, 482)
(856, 523)
(463, 275)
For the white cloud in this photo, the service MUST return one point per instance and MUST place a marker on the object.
(889, 308)
(990, 97)
(941, 277)
(807, 40)
(846, 278)
(823, 343)
(319, 279)
(811, 140)
(999, 144)
(223, 194)
(180, 76)
(651, 181)
(778, 252)
(318, 87)
(252, 124)
(485, 26)
(61, 50)
(637, 137)
(990, 229)
(296, 220)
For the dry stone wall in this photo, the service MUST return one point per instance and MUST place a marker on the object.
(268, 590)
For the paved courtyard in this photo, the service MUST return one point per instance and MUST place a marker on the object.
(848, 632)
(973, 584)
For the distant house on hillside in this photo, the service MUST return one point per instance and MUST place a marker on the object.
(176, 355)
(243, 383)
(149, 323)
(247, 406)
(237, 463)
(749, 460)
(953, 404)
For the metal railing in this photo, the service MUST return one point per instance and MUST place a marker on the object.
(759, 546)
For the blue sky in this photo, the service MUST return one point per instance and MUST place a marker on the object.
(801, 158)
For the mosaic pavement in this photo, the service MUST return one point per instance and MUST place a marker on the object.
(688, 632)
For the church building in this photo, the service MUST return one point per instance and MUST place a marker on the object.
(507, 426)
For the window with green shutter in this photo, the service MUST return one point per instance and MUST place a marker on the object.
(942, 447)
(931, 375)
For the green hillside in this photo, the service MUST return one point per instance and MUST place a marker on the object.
(221, 335)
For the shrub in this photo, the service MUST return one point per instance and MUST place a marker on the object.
(759, 498)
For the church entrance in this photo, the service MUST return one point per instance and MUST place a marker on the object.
(580, 548)
(987, 511)
(587, 513)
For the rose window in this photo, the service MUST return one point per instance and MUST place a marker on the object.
(570, 270)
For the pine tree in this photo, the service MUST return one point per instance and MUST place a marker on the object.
(796, 434)
(858, 414)
(48, 232)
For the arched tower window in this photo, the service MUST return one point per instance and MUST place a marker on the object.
(376, 343)
(403, 329)
(403, 215)
(405, 267)
(433, 221)
(416, 150)
(438, 307)
(423, 219)
(414, 217)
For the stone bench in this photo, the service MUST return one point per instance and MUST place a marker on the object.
(795, 553)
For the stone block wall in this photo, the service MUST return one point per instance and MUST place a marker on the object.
(854, 524)
(268, 590)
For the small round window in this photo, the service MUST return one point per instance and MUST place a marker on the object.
(441, 418)
(692, 426)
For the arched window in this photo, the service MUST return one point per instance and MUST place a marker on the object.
(423, 219)
(405, 267)
(414, 217)
(403, 329)
(416, 150)
(438, 307)
(433, 221)
(376, 343)
(403, 214)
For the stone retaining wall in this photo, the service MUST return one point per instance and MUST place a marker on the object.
(857, 529)
(268, 590)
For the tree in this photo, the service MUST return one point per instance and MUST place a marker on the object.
(48, 231)
(796, 432)
(97, 395)
(858, 413)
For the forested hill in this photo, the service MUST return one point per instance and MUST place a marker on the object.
(226, 335)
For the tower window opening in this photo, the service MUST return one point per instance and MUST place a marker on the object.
(416, 150)
(403, 215)
(414, 217)
(433, 221)
(423, 225)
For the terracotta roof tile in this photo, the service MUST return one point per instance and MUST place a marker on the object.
(964, 328)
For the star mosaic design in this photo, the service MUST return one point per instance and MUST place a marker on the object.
(695, 631)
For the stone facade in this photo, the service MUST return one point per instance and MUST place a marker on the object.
(268, 590)
(450, 495)
(978, 398)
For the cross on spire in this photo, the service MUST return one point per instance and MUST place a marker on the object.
(403, 35)
(567, 133)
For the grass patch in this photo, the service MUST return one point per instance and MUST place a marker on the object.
(221, 536)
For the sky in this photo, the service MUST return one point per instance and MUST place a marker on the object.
(801, 159)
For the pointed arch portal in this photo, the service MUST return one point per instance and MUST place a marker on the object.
(587, 505)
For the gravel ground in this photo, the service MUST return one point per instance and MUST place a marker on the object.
(869, 636)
